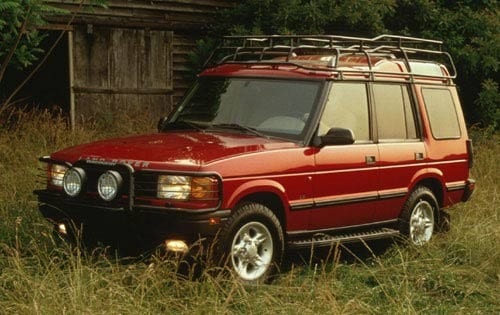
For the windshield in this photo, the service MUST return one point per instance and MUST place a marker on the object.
(265, 107)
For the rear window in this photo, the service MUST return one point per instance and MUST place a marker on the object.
(442, 113)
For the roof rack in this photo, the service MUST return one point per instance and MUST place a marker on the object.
(265, 49)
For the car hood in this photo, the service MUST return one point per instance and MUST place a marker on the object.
(175, 150)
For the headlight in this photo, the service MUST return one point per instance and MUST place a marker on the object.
(187, 187)
(73, 181)
(174, 187)
(109, 184)
(56, 174)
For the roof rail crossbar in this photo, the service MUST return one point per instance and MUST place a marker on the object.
(341, 72)
(335, 45)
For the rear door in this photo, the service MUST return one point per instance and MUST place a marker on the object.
(402, 152)
(346, 177)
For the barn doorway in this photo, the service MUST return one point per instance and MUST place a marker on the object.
(50, 85)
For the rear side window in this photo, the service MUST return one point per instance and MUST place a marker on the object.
(347, 107)
(442, 113)
(395, 118)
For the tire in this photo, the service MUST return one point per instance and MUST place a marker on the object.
(252, 243)
(418, 217)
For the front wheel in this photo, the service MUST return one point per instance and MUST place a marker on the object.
(253, 243)
(417, 220)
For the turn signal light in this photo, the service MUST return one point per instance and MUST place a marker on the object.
(204, 188)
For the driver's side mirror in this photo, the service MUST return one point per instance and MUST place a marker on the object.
(161, 122)
(337, 136)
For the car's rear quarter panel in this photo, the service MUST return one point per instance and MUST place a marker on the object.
(447, 157)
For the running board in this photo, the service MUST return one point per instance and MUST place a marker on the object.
(320, 240)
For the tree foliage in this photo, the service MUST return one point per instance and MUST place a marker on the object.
(20, 37)
(470, 31)
(306, 17)
(469, 28)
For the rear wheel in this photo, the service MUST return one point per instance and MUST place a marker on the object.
(418, 218)
(253, 243)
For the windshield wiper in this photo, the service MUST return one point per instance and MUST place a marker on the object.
(182, 124)
(241, 128)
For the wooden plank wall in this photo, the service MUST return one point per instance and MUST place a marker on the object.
(133, 54)
(117, 69)
(182, 45)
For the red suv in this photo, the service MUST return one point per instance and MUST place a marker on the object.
(285, 142)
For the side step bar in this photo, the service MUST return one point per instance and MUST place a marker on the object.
(320, 240)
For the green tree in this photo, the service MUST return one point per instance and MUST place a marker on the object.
(20, 37)
(487, 103)
(305, 17)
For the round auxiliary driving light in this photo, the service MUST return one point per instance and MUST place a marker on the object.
(109, 185)
(73, 181)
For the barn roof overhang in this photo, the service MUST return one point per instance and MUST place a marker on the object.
(175, 15)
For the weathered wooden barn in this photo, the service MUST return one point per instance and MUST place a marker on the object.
(130, 55)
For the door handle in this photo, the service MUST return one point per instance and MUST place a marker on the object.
(370, 159)
(419, 156)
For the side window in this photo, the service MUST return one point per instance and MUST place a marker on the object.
(347, 107)
(395, 118)
(441, 112)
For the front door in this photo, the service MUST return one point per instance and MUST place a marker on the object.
(346, 177)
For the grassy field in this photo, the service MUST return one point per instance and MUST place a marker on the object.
(458, 273)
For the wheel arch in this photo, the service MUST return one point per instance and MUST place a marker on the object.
(271, 201)
(435, 186)
(433, 180)
(266, 192)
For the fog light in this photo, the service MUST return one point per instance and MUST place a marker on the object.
(61, 228)
(109, 184)
(176, 246)
(73, 181)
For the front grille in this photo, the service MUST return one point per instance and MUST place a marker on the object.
(145, 184)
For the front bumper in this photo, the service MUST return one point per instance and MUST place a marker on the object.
(139, 227)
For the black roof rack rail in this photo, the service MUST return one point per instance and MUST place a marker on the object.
(262, 48)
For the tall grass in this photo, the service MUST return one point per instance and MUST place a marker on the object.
(458, 273)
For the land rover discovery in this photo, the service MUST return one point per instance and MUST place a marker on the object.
(283, 142)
